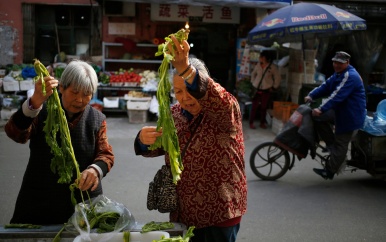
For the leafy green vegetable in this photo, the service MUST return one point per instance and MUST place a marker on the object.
(126, 236)
(57, 236)
(154, 226)
(169, 139)
(64, 160)
(186, 237)
(245, 86)
(24, 226)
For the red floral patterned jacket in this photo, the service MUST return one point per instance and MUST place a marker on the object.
(213, 187)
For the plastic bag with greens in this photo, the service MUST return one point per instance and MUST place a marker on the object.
(103, 215)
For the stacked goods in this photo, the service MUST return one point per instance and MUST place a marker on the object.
(283, 110)
(296, 70)
(137, 107)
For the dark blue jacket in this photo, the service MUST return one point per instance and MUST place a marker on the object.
(346, 96)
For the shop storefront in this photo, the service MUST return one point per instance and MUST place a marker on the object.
(123, 35)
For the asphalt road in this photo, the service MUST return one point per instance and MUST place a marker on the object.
(298, 207)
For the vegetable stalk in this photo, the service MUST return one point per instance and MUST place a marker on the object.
(169, 138)
(64, 160)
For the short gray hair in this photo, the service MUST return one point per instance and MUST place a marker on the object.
(199, 65)
(82, 75)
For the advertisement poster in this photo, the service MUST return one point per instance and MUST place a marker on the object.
(242, 59)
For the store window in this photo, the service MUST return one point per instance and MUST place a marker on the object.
(60, 29)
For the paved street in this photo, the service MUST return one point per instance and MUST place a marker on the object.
(299, 207)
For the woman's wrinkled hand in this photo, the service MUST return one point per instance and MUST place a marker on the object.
(149, 134)
(89, 179)
(38, 97)
(181, 54)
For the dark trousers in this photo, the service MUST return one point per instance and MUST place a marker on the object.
(261, 99)
(337, 144)
(216, 234)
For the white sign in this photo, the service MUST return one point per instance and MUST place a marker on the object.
(121, 28)
(184, 13)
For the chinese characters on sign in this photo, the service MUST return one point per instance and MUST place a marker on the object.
(182, 13)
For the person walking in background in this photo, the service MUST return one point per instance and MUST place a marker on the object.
(42, 200)
(345, 106)
(212, 192)
(265, 77)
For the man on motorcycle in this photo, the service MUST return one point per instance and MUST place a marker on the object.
(345, 107)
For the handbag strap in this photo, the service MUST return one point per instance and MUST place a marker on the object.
(262, 77)
(196, 123)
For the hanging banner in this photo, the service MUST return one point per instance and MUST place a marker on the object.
(273, 4)
(185, 13)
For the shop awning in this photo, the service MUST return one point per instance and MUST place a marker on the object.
(272, 4)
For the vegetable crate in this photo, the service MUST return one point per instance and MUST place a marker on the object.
(6, 114)
(138, 103)
(10, 86)
(283, 110)
(373, 146)
(137, 109)
(137, 116)
(111, 102)
(26, 85)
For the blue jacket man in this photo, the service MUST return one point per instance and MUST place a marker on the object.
(345, 106)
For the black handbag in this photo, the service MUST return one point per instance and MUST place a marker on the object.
(162, 193)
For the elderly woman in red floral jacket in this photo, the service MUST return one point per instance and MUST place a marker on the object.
(212, 192)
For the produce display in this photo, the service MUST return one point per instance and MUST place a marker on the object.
(128, 77)
(147, 76)
(125, 78)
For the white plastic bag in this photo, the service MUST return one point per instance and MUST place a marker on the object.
(154, 105)
(80, 221)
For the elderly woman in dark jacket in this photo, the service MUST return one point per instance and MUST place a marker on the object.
(42, 200)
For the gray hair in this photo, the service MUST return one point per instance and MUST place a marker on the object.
(198, 64)
(82, 75)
